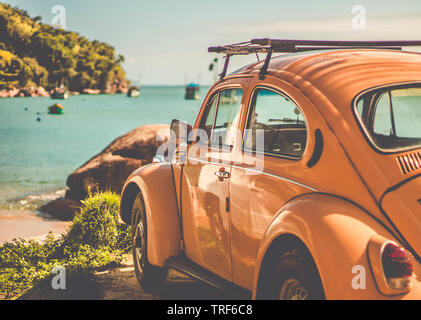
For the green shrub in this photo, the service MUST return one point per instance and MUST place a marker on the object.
(97, 223)
(95, 241)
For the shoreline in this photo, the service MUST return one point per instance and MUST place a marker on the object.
(92, 92)
(29, 225)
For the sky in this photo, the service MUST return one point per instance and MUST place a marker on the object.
(165, 42)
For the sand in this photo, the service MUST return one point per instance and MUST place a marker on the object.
(28, 225)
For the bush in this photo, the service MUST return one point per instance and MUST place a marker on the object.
(95, 241)
(97, 223)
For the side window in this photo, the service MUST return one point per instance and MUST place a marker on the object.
(399, 114)
(407, 112)
(392, 117)
(221, 117)
(382, 123)
(208, 117)
(275, 125)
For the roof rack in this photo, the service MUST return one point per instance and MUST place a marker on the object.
(269, 46)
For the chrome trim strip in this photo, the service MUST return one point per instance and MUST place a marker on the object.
(257, 171)
(209, 162)
(279, 177)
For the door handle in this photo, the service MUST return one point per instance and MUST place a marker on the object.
(222, 174)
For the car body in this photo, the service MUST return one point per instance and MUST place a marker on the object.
(320, 182)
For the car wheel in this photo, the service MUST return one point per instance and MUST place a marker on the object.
(151, 278)
(296, 277)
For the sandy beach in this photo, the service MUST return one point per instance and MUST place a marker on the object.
(28, 225)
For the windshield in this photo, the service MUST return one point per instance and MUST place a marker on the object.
(391, 117)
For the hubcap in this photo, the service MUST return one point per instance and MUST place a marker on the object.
(292, 289)
(139, 244)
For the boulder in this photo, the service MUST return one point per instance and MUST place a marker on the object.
(109, 169)
(62, 209)
(106, 172)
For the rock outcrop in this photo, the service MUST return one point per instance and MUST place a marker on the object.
(63, 209)
(109, 169)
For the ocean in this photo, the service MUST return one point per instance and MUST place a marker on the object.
(37, 156)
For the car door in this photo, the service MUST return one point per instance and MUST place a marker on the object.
(205, 183)
(268, 172)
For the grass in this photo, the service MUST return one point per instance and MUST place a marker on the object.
(94, 241)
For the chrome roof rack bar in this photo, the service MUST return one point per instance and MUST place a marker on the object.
(268, 46)
(264, 69)
(224, 71)
(335, 43)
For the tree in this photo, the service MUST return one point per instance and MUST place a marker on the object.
(46, 56)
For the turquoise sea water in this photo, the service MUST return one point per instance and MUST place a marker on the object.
(37, 156)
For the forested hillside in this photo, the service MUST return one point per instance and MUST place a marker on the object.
(36, 54)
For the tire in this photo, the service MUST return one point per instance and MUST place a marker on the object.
(151, 278)
(295, 277)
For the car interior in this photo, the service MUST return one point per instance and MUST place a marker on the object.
(275, 125)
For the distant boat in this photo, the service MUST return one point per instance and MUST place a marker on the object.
(133, 92)
(192, 92)
(60, 93)
(55, 109)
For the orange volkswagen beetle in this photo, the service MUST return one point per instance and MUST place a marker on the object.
(300, 179)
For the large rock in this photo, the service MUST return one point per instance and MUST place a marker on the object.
(109, 169)
(63, 209)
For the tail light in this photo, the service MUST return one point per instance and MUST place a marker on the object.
(392, 266)
(397, 266)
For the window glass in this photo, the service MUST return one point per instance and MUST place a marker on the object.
(227, 117)
(208, 118)
(275, 125)
(393, 123)
(226, 104)
(360, 106)
(407, 103)
(382, 122)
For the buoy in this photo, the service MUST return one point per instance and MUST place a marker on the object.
(26, 108)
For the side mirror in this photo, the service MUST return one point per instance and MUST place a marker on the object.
(181, 130)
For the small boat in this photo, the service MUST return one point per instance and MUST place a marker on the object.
(55, 109)
(133, 92)
(60, 93)
(192, 92)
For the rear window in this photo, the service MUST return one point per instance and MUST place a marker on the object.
(391, 117)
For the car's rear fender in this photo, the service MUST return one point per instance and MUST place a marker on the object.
(155, 182)
(336, 233)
